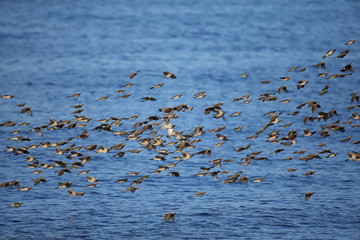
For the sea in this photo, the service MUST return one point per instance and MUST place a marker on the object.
(269, 50)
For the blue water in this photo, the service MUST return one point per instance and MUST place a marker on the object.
(51, 50)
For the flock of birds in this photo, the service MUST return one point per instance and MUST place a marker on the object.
(159, 135)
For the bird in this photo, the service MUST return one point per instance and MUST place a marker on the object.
(200, 95)
(132, 189)
(308, 195)
(132, 75)
(83, 172)
(286, 100)
(169, 75)
(350, 42)
(75, 95)
(38, 180)
(321, 65)
(244, 75)
(290, 170)
(342, 54)
(64, 184)
(200, 193)
(17, 204)
(102, 98)
(73, 193)
(285, 78)
(27, 110)
(92, 185)
(301, 84)
(282, 88)
(329, 53)
(147, 99)
(322, 74)
(309, 173)
(265, 82)
(347, 67)
(175, 174)
(92, 179)
(238, 128)
(128, 85)
(120, 91)
(325, 90)
(169, 216)
(157, 85)
(257, 180)
(293, 68)
(176, 96)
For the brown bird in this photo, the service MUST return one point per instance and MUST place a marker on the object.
(92, 179)
(134, 74)
(157, 85)
(243, 148)
(236, 114)
(17, 204)
(7, 96)
(122, 180)
(26, 110)
(308, 195)
(175, 174)
(329, 53)
(72, 193)
(265, 82)
(64, 184)
(120, 91)
(244, 74)
(301, 84)
(176, 96)
(200, 193)
(169, 216)
(325, 90)
(350, 42)
(293, 68)
(102, 98)
(346, 139)
(147, 99)
(132, 189)
(321, 65)
(347, 67)
(241, 98)
(342, 54)
(38, 180)
(24, 189)
(308, 133)
(282, 88)
(75, 95)
(257, 180)
(309, 173)
(169, 75)
(285, 78)
(322, 74)
(200, 94)
(83, 172)
(290, 170)
(286, 100)
(128, 84)
(238, 128)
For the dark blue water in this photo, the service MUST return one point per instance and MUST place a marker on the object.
(51, 50)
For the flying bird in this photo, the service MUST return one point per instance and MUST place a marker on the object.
(169, 75)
